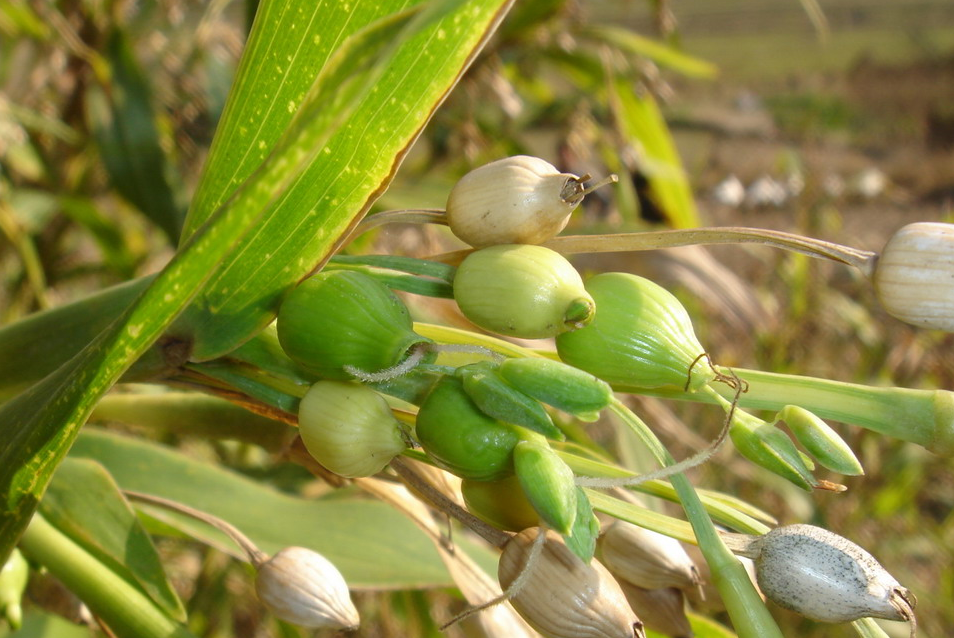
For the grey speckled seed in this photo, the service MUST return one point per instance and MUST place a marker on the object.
(827, 577)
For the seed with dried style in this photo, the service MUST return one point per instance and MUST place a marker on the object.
(563, 597)
(302, 587)
(514, 200)
(646, 558)
(826, 577)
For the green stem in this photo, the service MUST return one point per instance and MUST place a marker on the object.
(925, 417)
(623, 242)
(123, 608)
(749, 614)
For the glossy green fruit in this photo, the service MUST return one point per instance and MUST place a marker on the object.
(462, 439)
(349, 428)
(641, 336)
(522, 291)
(344, 318)
(501, 503)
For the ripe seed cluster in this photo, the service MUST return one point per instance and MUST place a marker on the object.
(491, 423)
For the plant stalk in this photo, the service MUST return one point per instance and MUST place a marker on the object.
(124, 608)
(749, 614)
(925, 417)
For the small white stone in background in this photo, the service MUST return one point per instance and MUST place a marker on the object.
(765, 192)
(729, 192)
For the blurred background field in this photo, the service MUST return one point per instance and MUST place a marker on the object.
(834, 120)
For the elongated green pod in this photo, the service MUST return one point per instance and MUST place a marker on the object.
(766, 445)
(461, 438)
(13, 580)
(586, 529)
(641, 336)
(522, 291)
(344, 318)
(548, 483)
(824, 444)
(349, 428)
(498, 399)
(558, 384)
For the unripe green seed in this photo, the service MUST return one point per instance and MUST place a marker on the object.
(555, 383)
(462, 439)
(821, 440)
(548, 483)
(349, 428)
(345, 318)
(522, 291)
(766, 445)
(641, 336)
(501, 503)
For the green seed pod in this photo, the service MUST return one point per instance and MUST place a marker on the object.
(522, 291)
(462, 439)
(820, 440)
(501, 503)
(515, 200)
(641, 336)
(349, 428)
(586, 528)
(344, 318)
(13, 581)
(548, 483)
(826, 577)
(766, 445)
(555, 383)
(498, 399)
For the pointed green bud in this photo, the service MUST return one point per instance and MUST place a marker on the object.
(461, 438)
(555, 383)
(820, 440)
(349, 428)
(500, 400)
(13, 581)
(345, 318)
(548, 483)
(522, 291)
(501, 503)
(641, 336)
(766, 445)
(586, 529)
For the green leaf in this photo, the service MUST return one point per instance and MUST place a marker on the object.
(373, 545)
(642, 125)
(422, 63)
(40, 425)
(659, 52)
(34, 347)
(192, 414)
(37, 624)
(85, 503)
(124, 126)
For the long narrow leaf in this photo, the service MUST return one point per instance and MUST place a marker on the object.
(40, 425)
(421, 65)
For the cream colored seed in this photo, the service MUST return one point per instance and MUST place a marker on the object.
(563, 597)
